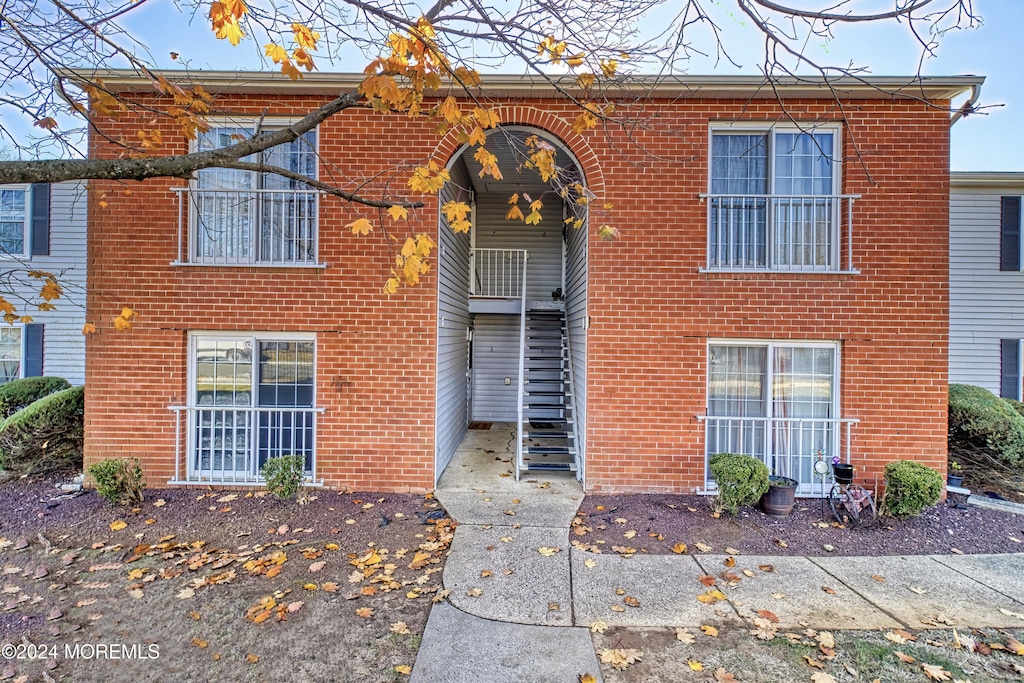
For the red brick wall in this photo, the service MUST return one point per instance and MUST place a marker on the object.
(651, 311)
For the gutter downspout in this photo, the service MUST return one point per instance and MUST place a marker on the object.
(968, 106)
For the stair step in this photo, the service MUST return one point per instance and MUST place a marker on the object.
(549, 450)
(548, 434)
(544, 406)
(544, 392)
(551, 466)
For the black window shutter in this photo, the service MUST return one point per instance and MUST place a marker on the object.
(41, 219)
(32, 356)
(1009, 233)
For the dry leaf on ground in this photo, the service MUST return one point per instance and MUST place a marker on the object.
(709, 631)
(620, 658)
(683, 635)
(934, 672)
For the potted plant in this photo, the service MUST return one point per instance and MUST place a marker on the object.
(779, 499)
(955, 475)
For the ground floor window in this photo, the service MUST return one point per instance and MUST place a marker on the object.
(251, 399)
(777, 401)
(10, 353)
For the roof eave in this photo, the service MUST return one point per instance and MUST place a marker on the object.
(685, 87)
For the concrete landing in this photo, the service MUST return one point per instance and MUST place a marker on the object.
(523, 586)
(462, 648)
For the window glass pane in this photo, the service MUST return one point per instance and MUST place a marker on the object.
(286, 381)
(12, 220)
(10, 353)
(803, 163)
(286, 373)
(736, 381)
(802, 405)
(223, 372)
(739, 164)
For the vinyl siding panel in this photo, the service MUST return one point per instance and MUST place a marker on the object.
(576, 316)
(986, 304)
(495, 357)
(453, 323)
(543, 241)
(63, 341)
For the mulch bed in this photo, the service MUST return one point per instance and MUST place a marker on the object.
(193, 573)
(659, 522)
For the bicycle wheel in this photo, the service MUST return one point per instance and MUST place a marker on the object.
(837, 502)
(862, 499)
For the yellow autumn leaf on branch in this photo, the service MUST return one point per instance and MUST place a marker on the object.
(488, 163)
(224, 17)
(455, 211)
(88, 328)
(360, 226)
(276, 53)
(304, 36)
(428, 179)
(609, 67)
(514, 213)
(398, 213)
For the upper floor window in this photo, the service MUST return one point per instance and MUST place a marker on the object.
(774, 202)
(247, 218)
(14, 220)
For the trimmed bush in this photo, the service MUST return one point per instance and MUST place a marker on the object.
(910, 488)
(978, 419)
(119, 480)
(741, 480)
(20, 393)
(45, 436)
(284, 475)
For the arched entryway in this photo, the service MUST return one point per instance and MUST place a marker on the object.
(512, 301)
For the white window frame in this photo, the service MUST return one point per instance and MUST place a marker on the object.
(772, 129)
(187, 252)
(21, 360)
(191, 406)
(770, 345)
(26, 224)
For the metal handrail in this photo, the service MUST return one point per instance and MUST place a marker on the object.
(837, 448)
(233, 476)
(284, 234)
(500, 269)
(572, 388)
(522, 372)
(830, 202)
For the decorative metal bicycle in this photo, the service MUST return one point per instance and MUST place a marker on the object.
(850, 503)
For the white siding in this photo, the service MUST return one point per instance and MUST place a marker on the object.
(985, 304)
(63, 342)
(576, 316)
(495, 358)
(452, 327)
(543, 241)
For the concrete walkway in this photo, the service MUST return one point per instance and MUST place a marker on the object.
(522, 599)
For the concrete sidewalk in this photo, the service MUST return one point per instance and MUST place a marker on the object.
(522, 599)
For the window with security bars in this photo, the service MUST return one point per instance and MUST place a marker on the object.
(773, 203)
(775, 401)
(242, 217)
(252, 400)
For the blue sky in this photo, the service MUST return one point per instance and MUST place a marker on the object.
(989, 142)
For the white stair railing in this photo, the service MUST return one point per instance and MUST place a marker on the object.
(522, 372)
(499, 273)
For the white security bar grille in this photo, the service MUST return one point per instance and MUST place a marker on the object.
(247, 227)
(780, 232)
(497, 272)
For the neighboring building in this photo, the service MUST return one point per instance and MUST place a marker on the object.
(986, 281)
(43, 227)
(780, 288)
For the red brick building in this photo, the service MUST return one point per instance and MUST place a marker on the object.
(779, 287)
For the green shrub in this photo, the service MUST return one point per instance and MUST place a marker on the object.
(978, 419)
(910, 488)
(119, 480)
(46, 435)
(19, 393)
(284, 475)
(1016, 405)
(741, 480)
